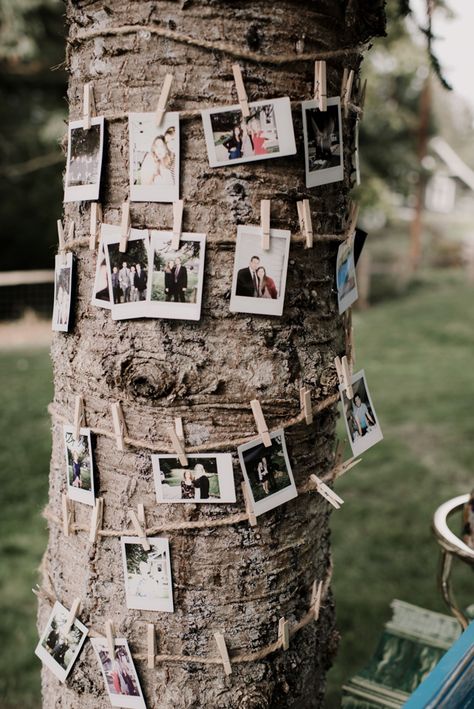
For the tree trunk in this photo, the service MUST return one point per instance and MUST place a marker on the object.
(233, 578)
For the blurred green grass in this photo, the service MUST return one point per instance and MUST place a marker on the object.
(417, 353)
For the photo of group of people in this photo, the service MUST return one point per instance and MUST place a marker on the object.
(148, 584)
(151, 279)
(259, 279)
(79, 467)
(266, 133)
(63, 265)
(154, 157)
(361, 421)
(59, 646)
(84, 160)
(323, 142)
(346, 275)
(119, 673)
(207, 477)
(267, 472)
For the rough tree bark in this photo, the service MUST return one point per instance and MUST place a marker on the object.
(236, 579)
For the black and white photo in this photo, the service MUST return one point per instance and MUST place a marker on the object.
(59, 647)
(84, 161)
(128, 272)
(267, 472)
(79, 465)
(148, 581)
(322, 132)
(360, 418)
(175, 286)
(346, 275)
(63, 279)
(119, 673)
(154, 157)
(101, 293)
(259, 279)
(208, 478)
(232, 138)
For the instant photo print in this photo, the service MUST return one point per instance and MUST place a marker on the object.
(362, 425)
(346, 275)
(84, 161)
(207, 478)
(63, 284)
(58, 649)
(259, 279)
(323, 151)
(119, 673)
(267, 472)
(79, 465)
(147, 574)
(154, 157)
(101, 291)
(266, 133)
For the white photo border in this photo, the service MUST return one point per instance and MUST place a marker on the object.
(94, 300)
(44, 655)
(62, 261)
(119, 700)
(366, 443)
(344, 302)
(325, 176)
(84, 193)
(162, 544)
(87, 497)
(225, 473)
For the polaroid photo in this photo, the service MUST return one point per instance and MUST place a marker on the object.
(148, 580)
(208, 478)
(346, 275)
(267, 472)
(154, 157)
(57, 649)
(84, 161)
(360, 237)
(322, 132)
(175, 286)
(361, 420)
(259, 279)
(101, 291)
(120, 675)
(127, 273)
(63, 281)
(79, 466)
(266, 133)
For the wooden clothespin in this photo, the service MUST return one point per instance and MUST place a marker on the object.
(120, 427)
(346, 89)
(346, 466)
(306, 226)
(352, 221)
(326, 492)
(316, 596)
(320, 90)
(88, 105)
(248, 506)
(62, 243)
(96, 519)
(163, 100)
(139, 527)
(222, 647)
(344, 375)
(265, 223)
(79, 416)
(241, 92)
(305, 403)
(96, 221)
(125, 226)
(109, 634)
(68, 514)
(262, 427)
(177, 223)
(75, 608)
(177, 437)
(339, 452)
(151, 645)
(284, 633)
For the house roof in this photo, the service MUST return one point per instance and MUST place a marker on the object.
(451, 159)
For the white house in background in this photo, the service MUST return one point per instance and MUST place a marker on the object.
(451, 185)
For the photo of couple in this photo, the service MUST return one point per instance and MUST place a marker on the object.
(58, 648)
(266, 133)
(176, 282)
(119, 674)
(147, 574)
(206, 478)
(267, 472)
(84, 161)
(80, 473)
(259, 279)
(346, 275)
(359, 416)
(323, 142)
(154, 157)
(62, 292)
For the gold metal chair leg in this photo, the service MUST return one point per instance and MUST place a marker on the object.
(444, 581)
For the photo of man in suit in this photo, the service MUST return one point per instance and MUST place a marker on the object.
(125, 282)
(247, 281)
(140, 283)
(180, 281)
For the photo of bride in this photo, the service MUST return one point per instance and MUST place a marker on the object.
(207, 478)
(154, 157)
(148, 582)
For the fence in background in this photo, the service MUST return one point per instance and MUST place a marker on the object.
(23, 291)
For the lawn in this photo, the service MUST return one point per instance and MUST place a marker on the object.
(416, 352)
